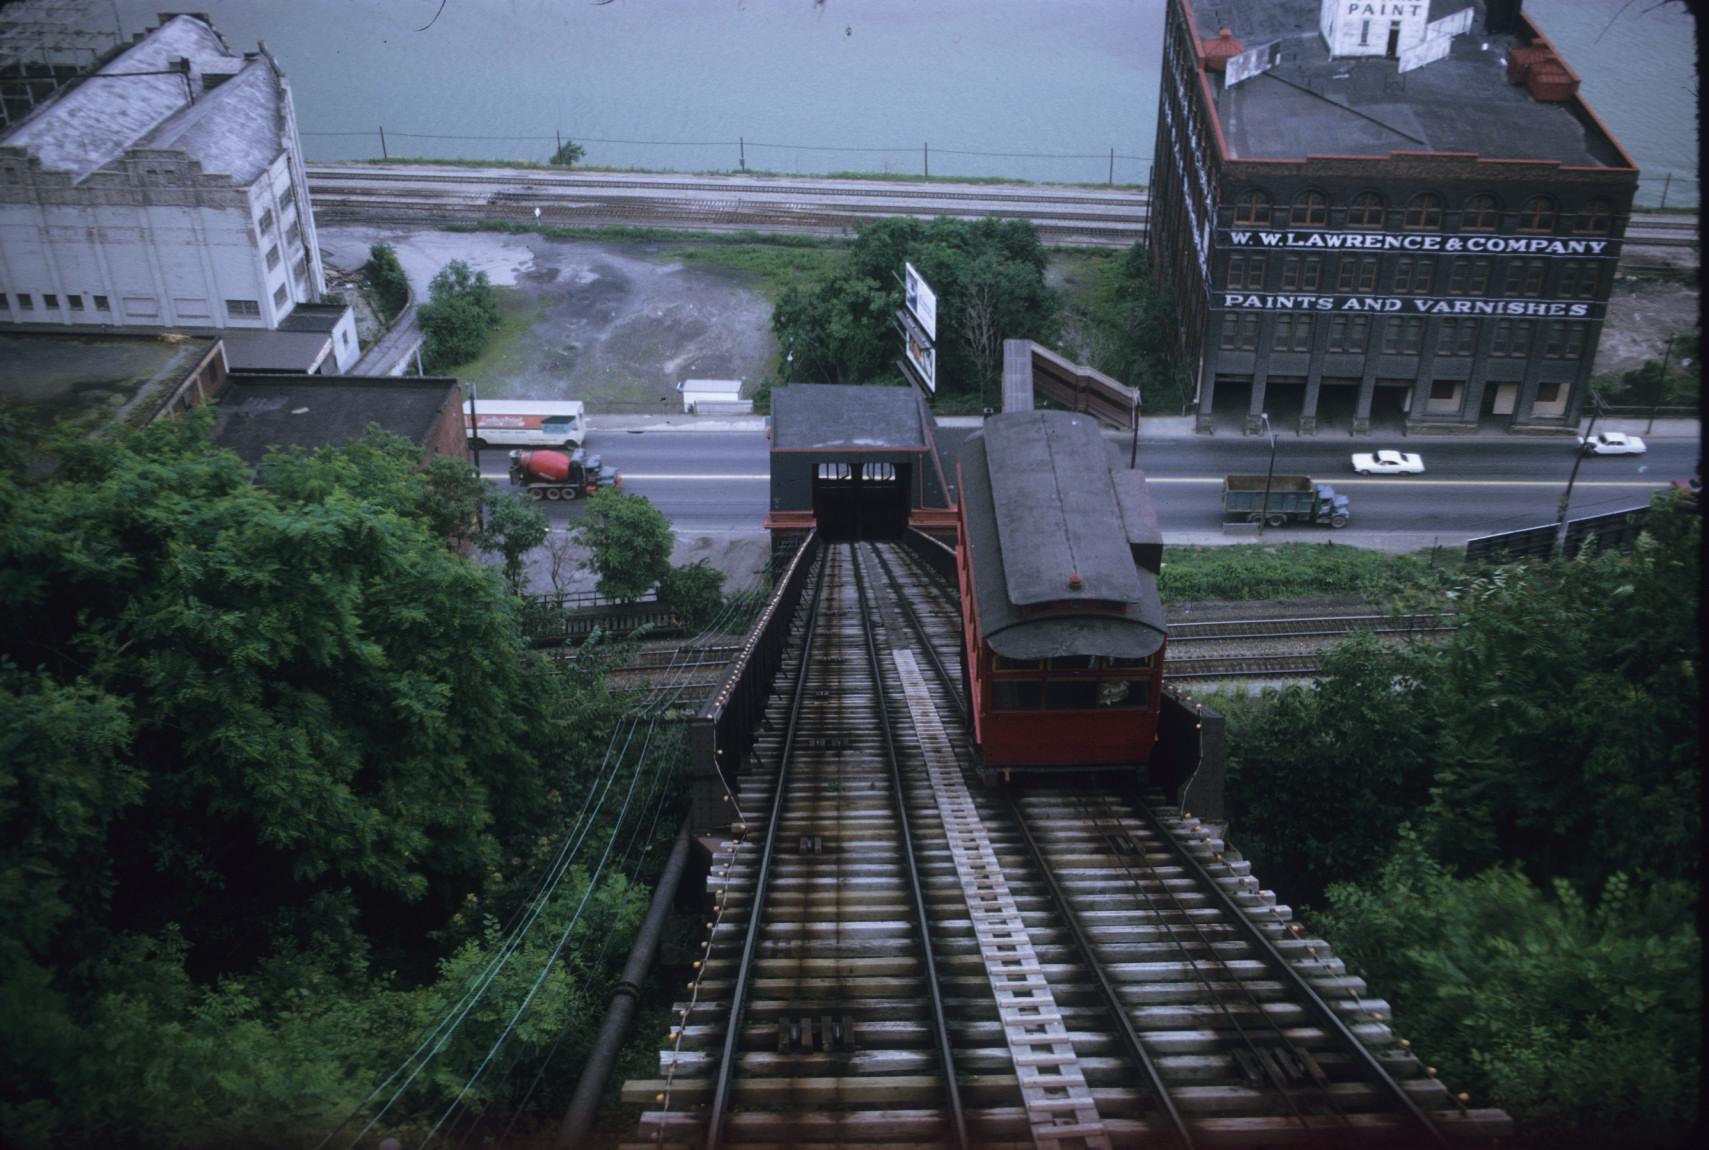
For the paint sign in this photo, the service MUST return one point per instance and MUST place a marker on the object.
(1252, 62)
(922, 301)
(1408, 305)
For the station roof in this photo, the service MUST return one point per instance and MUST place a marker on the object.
(844, 417)
(261, 411)
(1310, 104)
(234, 128)
(1043, 506)
(93, 378)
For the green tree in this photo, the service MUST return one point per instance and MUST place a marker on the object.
(568, 155)
(989, 278)
(1130, 330)
(1322, 782)
(1581, 1021)
(629, 543)
(514, 527)
(459, 315)
(694, 591)
(386, 276)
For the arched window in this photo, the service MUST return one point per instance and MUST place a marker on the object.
(1481, 213)
(1311, 210)
(1538, 215)
(1424, 212)
(1366, 211)
(1252, 207)
(1597, 218)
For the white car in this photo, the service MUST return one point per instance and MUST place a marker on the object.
(1388, 463)
(1612, 443)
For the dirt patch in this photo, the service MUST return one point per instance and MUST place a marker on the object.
(1643, 314)
(617, 325)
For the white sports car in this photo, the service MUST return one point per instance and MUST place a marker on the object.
(1388, 463)
(1612, 443)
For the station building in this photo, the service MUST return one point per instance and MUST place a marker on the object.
(162, 187)
(1396, 213)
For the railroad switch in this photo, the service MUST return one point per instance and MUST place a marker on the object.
(824, 1033)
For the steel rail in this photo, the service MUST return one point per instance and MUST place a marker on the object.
(733, 1023)
(1339, 622)
(1101, 821)
(1059, 897)
(934, 990)
(1314, 1003)
(1117, 1008)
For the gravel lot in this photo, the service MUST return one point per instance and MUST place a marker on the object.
(617, 325)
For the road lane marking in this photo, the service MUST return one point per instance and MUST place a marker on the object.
(653, 477)
(1646, 484)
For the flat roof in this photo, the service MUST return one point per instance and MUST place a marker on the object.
(1312, 105)
(136, 100)
(257, 412)
(255, 350)
(91, 379)
(847, 417)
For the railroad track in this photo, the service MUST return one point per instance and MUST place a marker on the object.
(900, 957)
(1275, 648)
(436, 196)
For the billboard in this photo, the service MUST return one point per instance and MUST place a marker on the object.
(922, 302)
(921, 355)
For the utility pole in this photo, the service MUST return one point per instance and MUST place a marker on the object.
(1264, 510)
(1567, 496)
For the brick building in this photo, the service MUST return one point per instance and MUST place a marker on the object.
(1396, 214)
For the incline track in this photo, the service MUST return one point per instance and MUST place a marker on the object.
(1085, 969)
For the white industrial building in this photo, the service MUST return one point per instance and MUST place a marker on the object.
(164, 188)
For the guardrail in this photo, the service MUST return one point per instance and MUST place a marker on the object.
(721, 733)
(938, 557)
(570, 617)
(1617, 530)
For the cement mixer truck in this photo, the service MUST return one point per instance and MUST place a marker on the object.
(560, 474)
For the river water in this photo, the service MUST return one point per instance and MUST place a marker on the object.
(1062, 90)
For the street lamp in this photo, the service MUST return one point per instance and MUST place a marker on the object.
(1264, 508)
(1567, 495)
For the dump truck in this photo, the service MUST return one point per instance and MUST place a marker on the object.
(560, 474)
(1293, 499)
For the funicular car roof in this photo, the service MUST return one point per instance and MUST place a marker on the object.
(1049, 476)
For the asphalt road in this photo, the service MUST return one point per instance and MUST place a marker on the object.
(716, 482)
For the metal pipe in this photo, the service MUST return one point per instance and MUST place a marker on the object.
(621, 1010)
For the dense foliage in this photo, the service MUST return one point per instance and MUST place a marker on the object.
(274, 762)
(460, 313)
(1126, 328)
(1538, 768)
(628, 541)
(695, 591)
(386, 276)
(989, 279)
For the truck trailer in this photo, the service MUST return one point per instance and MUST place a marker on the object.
(1292, 499)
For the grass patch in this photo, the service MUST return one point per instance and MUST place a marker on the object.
(766, 267)
(503, 361)
(1293, 570)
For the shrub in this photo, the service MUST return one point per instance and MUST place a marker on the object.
(386, 276)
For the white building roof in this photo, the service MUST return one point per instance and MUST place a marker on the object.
(233, 129)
